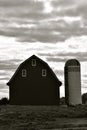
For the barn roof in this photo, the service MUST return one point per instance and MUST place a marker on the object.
(34, 56)
(72, 62)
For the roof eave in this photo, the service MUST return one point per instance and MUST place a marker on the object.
(8, 83)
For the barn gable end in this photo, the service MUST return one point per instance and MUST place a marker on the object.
(34, 83)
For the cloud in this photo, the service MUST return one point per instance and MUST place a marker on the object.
(22, 4)
(8, 64)
(85, 75)
(4, 93)
(3, 87)
(52, 31)
(63, 57)
(36, 20)
(7, 68)
(33, 26)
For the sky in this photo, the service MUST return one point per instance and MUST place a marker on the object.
(54, 30)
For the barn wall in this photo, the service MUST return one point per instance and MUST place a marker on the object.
(34, 89)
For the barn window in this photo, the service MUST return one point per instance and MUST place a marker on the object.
(44, 72)
(33, 62)
(24, 73)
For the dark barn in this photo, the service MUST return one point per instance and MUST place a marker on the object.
(34, 83)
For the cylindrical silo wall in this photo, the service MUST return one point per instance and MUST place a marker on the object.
(74, 85)
(66, 86)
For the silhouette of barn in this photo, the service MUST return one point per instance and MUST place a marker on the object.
(34, 83)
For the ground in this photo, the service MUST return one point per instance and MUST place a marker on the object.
(14, 117)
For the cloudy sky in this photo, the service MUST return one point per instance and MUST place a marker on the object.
(54, 30)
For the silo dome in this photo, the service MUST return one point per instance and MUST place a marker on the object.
(72, 62)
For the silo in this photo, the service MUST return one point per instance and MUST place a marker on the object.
(72, 82)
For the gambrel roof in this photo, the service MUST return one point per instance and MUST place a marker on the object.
(26, 61)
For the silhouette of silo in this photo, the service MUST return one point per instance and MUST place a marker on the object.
(72, 82)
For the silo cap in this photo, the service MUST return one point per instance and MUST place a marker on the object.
(72, 62)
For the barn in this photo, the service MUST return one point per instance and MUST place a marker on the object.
(34, 83)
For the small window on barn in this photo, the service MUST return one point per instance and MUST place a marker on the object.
(24, 73)
(33, 62)
(44, 72)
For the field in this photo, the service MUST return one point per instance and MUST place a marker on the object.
(43, 117)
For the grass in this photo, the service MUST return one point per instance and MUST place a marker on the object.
(43, 117)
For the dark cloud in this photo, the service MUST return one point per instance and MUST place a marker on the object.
(4, 78)
(45, 32)
(2, 87)
(16, 16)
(8, 64)
(57, 59)
(6, 68)
(85, 75)
(63, 3)
(63, 57)
(28, 5)
(50, 38)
